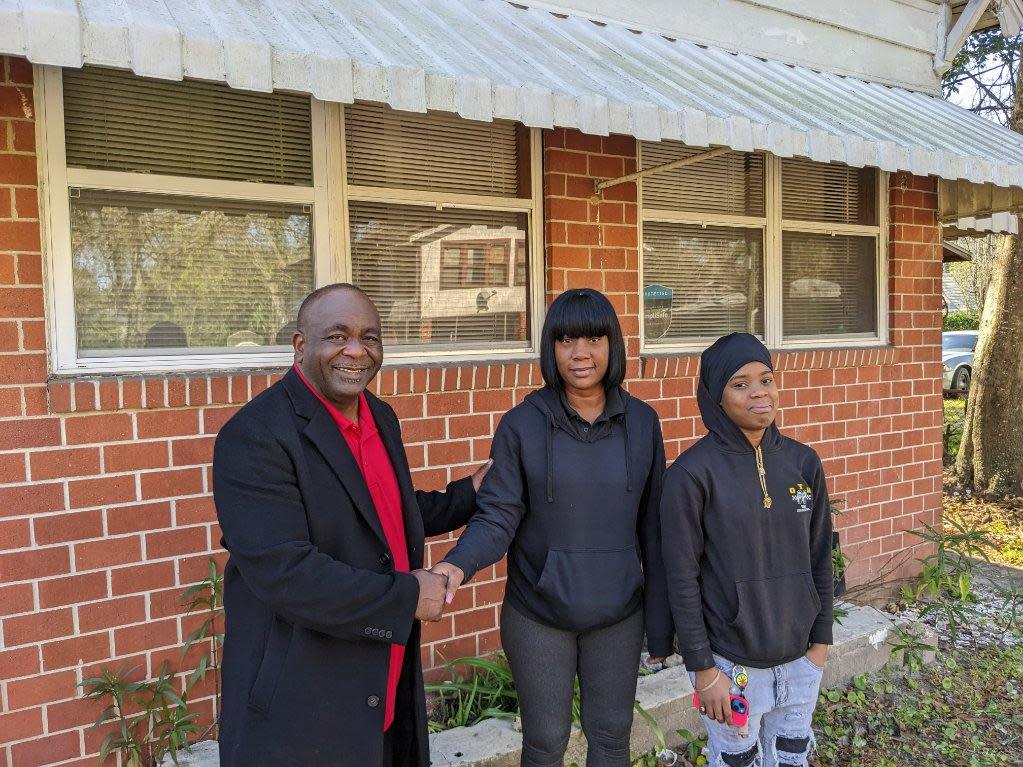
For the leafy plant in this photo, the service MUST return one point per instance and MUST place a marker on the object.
(480, 688)
(692, 748)
(961, 321)
(161, 726)
(910, 646)
(208, 596)
(152, 717)
(946, 576)
(660, 755)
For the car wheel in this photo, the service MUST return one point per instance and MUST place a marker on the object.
(961, 382)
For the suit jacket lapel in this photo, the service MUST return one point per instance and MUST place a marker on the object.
(413, 520)
(326, 437)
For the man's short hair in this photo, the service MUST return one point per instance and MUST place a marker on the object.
(316, 295)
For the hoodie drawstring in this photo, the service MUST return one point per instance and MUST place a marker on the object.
(763, 475)
(551, 426)
(628, 470)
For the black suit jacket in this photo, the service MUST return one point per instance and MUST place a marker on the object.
(311, 598)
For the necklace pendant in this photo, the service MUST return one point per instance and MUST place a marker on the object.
(767, 502)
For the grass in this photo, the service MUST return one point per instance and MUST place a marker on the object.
(962, 710)
(1002, 521)
(955, 414)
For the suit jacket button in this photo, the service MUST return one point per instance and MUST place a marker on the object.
(388, 634)
(372, 701)
(367, 631)
(385, 558)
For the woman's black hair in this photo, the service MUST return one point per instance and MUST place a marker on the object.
(582, 313)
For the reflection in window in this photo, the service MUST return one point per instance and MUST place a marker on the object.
(183, 274)
(444, 277)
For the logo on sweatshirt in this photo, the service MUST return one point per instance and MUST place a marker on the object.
(802, 497)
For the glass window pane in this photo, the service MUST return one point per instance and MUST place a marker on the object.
(185, 275)
(816, 191)
(829, 285)
(731, 183)
(443, 279)
(701, 282)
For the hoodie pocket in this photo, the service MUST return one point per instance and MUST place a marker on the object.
(775, 616)
(265, 684)
(589, 588)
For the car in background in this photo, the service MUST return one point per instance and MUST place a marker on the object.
(957, 349)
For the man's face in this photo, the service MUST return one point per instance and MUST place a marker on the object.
(339, 347)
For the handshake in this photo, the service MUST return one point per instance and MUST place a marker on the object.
(437, 588)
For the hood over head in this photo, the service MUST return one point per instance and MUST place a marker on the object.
(718, 363)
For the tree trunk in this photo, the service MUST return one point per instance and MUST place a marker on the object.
(990, 458)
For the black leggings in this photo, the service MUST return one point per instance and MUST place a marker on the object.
(544, 662)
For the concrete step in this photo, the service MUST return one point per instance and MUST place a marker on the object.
(861, 646)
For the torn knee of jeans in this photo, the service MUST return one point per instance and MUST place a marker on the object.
(793, 750)
(744, 759)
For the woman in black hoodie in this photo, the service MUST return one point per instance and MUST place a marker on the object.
(573, 498)
(747, 547)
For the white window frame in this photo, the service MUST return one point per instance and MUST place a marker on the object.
(532, 206)
(327, 200)
(773, 225)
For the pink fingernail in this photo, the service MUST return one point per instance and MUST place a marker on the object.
(449, 598)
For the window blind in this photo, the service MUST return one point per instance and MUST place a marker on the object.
(730, 184)
(442, 277)
(435, 152)
(814, 191)
(115, 120)
(829, 284)
(715, 275)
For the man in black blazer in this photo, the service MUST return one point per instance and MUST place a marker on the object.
(324, 587)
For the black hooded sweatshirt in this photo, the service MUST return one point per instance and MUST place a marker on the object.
(748, 579)
(575, 506)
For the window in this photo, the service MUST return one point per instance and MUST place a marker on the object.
(789, 250)
(186, 221)
(441, 216)
(180, 221)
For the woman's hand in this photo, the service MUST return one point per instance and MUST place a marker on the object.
(714, 700)
(817, 655)
(454, 576)
(480, 473)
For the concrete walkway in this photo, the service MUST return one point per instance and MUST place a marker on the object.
(861, 646)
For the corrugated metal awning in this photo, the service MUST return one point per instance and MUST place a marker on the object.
(486, 59)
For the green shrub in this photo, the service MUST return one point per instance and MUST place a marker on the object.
(961, 321)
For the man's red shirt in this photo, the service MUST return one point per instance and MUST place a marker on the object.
(375, 464)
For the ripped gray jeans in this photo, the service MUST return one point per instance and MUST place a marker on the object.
(781, 701)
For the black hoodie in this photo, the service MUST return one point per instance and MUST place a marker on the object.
(575, 506)
(748, 579)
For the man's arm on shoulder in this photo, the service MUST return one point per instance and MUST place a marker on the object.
(264, 523)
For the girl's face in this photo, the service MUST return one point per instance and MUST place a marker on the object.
(750, 397)
(582, 362)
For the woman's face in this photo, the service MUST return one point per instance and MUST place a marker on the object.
(582, 362)
(750, 397)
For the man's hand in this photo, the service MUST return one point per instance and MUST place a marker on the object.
(817, 654)
(453, 575)
(431, 595)
(714, 699)
(480, 473)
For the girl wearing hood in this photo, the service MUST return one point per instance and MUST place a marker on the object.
(573, 498)
(747, 545)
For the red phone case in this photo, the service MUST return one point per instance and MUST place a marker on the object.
(739, 719)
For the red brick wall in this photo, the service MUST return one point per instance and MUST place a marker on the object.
(105, 516)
